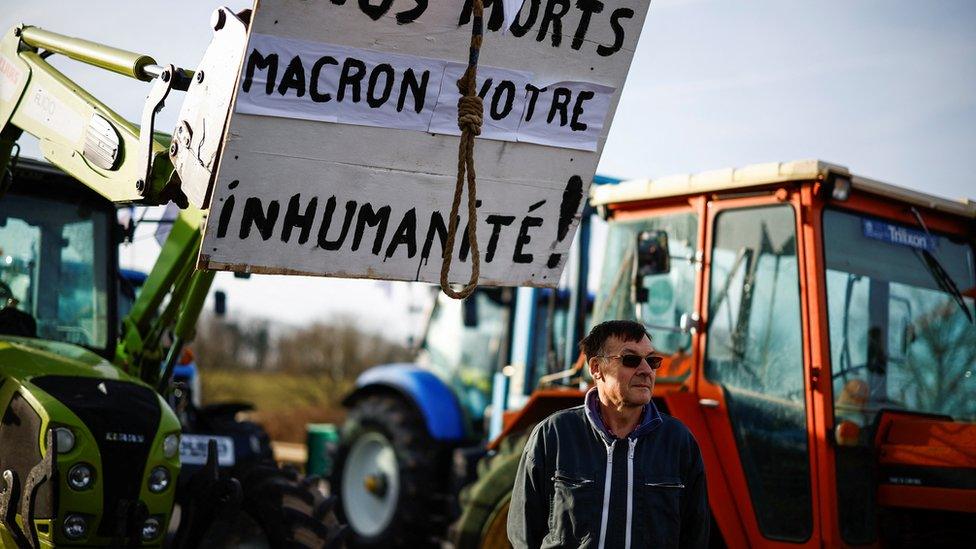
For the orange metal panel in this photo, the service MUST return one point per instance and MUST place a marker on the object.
(685, 407)
(641, 209)
(913, 430)
(924, 455)
(948, 499)
(908, 439)
(812, 352)
(819, 387)
(898, 211)
(541, 405)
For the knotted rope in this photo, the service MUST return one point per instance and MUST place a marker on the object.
(470, 116)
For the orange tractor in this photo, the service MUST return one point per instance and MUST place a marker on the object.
(819, 329)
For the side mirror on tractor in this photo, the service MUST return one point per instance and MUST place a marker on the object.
(652, 257)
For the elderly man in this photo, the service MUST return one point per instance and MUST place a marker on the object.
(614, 472)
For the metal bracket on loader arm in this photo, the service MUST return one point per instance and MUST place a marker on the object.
(199, 134)
(167, 78)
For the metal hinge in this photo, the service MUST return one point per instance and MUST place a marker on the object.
(815, 378)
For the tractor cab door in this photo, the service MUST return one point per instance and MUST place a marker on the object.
(752, 386)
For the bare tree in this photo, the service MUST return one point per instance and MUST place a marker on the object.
(338, 349)
(942, 368)
(239, 344)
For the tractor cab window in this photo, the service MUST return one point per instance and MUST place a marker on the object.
(899, 339)
(54, 260)
(754, 351)
(550, 330)
(465, 344)
(669, 295)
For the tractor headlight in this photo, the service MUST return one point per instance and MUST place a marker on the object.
(171, 445)
(80, 477)
(158, 480)
(150, 529)
(66, 440)
(75, 527)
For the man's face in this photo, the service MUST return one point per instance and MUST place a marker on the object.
(619, 384)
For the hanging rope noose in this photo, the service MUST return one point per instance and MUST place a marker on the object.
(470, 115)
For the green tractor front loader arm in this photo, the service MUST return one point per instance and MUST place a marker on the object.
(122, 162)
(77, 132)
(141, 346)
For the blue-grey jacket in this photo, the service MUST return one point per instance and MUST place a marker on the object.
(579, 486)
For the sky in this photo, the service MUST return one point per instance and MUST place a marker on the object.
(885, 88)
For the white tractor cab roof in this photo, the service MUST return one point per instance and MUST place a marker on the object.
(770, 173)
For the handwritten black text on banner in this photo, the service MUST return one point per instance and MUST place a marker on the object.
(330, 83)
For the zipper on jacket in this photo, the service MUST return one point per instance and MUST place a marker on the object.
(664, 484)
(630, 489)
(606, 493)
(574, 482)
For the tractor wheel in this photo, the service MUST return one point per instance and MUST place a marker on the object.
(484, 504)
(384, 468)
(278, 511)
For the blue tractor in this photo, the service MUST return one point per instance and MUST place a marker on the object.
(415, 431)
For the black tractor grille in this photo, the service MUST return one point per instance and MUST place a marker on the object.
(123, 417)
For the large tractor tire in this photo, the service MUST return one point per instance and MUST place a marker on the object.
(484, 504)
(278, 510)
(384, 474)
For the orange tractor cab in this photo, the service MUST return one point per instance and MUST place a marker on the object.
(821, 346)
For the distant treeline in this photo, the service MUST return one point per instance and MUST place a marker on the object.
(337, 349)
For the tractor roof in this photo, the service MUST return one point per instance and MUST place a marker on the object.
(758, 175)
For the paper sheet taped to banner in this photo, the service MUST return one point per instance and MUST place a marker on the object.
(346, 85)
(341, 153)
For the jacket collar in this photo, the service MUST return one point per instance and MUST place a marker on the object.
(650, 418)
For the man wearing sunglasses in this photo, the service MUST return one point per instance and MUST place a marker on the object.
(613, 472)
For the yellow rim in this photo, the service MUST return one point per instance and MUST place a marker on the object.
(495, 532)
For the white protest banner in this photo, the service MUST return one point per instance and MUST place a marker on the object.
(341, 154)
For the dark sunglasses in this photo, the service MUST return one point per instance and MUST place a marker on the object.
(633, 361)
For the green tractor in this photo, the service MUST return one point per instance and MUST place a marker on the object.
(90, 447)
(79, 437)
